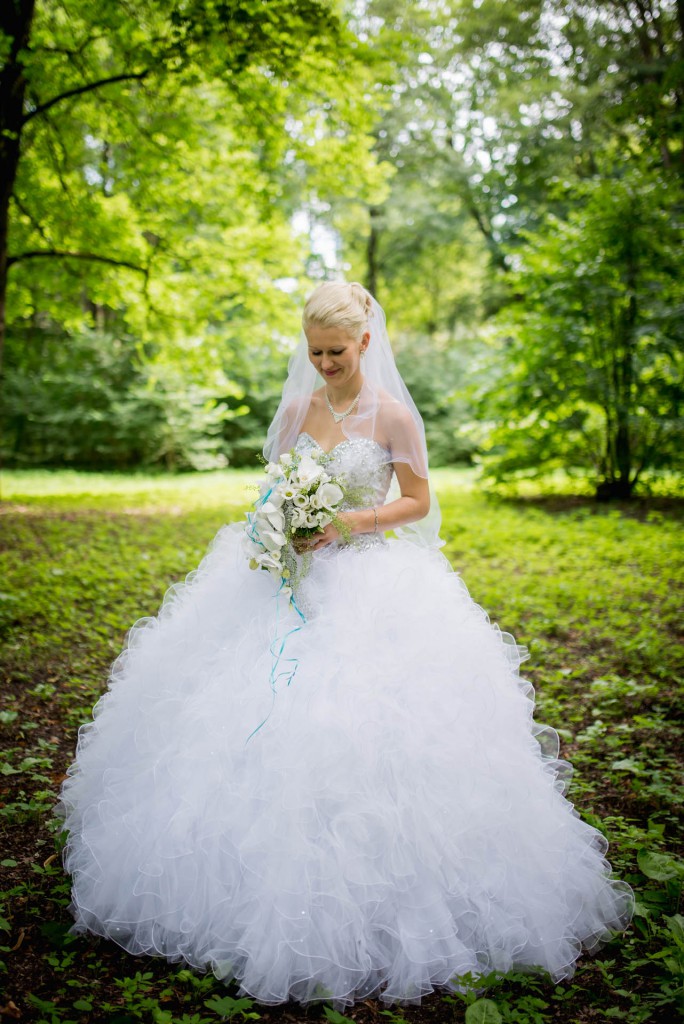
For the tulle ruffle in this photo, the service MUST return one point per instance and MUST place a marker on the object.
(396, 820)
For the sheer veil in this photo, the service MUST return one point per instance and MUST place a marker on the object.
(386, 414)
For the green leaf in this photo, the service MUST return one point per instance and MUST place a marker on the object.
(658, 866)
(228, 1007)
(627, 764)
(334, 1017)
(483, 1011)
(676, 926)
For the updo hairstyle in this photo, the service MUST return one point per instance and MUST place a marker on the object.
(338, 304)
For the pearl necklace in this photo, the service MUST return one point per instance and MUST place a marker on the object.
(339, 416)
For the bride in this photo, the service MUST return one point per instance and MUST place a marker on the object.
(345, 796)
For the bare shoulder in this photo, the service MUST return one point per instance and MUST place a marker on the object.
(395, 415)
(316, 403)
(299, 404)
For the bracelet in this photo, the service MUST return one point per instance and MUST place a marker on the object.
(375, 512)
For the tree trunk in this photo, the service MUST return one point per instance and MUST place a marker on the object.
(620, 483)
(372, 252)
(16, 17)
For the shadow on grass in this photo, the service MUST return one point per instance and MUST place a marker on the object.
(640, 508)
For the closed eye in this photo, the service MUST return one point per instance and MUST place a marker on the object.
(336, 352)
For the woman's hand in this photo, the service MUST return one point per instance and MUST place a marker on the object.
(327, 536)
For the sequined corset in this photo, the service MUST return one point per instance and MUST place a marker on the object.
(360, 463)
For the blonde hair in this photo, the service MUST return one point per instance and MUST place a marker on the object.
(338, 304)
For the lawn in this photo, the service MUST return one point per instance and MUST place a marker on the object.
(593, 590)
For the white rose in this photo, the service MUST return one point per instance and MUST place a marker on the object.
(315, 501)
(286, 460)
(298, 518)
(312, 521)
(329, 495)
(300, 500)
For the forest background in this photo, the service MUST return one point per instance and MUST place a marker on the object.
(506, 177)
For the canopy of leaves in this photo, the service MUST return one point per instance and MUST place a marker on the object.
(448, 155)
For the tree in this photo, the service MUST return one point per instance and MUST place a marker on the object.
(104, 110)
(495, 102)
(503, 118)
(591, 361)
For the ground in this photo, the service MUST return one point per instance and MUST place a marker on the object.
(594, 591)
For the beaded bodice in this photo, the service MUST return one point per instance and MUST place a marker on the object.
(360, 465)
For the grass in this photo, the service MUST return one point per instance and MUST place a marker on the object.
(593, 590)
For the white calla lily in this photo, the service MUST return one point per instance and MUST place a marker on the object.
(273, 540)
(275, 500)
(276, 519)
(308, 471)
(269, 562)
(329, 495)
(251, 548)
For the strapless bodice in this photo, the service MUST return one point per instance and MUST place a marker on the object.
(359, 463)
(363, 466)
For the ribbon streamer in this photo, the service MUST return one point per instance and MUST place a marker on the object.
(278, 655)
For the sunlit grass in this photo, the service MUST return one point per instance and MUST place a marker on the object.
(120, 491)
(192, 490)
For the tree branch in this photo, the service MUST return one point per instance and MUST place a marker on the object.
(66, 51)
(79, 90)
(38, 253)
(29, 216)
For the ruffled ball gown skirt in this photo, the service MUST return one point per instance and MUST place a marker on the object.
(388, 820)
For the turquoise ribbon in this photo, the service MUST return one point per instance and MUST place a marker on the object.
(278, 656)
(250, 515)
(276, 651)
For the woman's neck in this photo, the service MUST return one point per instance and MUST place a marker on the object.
(341, 397)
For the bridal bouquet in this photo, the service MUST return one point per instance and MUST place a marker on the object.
(298, 499)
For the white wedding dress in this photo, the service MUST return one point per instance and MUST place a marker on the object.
(388, 820)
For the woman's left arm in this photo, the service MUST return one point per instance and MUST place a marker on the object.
(414, 504)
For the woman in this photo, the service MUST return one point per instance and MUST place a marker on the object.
(346, 796)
